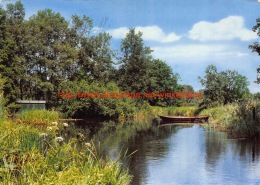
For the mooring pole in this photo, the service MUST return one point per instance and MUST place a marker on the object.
(254, 113)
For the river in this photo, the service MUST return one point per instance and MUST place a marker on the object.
(174, 154)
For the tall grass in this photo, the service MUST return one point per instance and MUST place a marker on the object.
(173, 111)
(38, 117)
(30, 156)
(236, 118)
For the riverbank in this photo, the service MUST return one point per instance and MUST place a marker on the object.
(35, 149)
(239, 120)
(236, 119)
(49, 154)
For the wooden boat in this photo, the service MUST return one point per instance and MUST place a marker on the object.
(185, 119)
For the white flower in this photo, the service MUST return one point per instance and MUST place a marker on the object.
(59, 139)
(54, 123)
(43, 135)
(49, 128)
(87, 144)
(80, 136)
(65, 124)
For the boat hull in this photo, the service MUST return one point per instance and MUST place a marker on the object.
(184, 119)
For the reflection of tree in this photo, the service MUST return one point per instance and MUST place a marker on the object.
(247, 148)
(149, 145)
(216, 144)
(144, 138)
(114, 136)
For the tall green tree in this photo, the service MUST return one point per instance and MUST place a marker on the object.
(11, 62)
(255, 47)
(50, 56)
(135, 63)
(96, 58)
(223, 87)
(162, 79)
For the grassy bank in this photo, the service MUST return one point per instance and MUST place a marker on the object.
(30, 154)
(237, 119)
(154, 111)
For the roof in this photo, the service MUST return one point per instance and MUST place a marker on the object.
(30, 102)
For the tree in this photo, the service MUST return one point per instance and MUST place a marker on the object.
(95, 58)
(223, 87)
(11, 63)
(162, 79)
(256, 47)
(135, 63)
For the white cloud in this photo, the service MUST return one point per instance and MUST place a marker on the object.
(197, 52)
(118, 33)
(232, 27)
(97, 30)
(150, 33)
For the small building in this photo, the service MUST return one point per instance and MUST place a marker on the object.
(31, 104)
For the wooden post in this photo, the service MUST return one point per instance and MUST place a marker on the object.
(254, 113)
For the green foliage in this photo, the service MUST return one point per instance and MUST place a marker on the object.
(2, 100)
(136, 60)
(37, 54)
(162, 79)
(80, 100)
(223, 87)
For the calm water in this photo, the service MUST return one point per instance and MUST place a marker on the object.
(169, 155)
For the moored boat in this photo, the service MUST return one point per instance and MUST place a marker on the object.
(185, 119)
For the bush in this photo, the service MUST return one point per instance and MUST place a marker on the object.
(77, 99)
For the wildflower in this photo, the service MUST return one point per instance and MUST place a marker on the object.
(49, 128)
(54, 123)
(65, 124)
(43, 135)
(88, 145)
(59, 139)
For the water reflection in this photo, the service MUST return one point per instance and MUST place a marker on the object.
(174, 154)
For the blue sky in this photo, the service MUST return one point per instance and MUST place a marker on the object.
(188, 35)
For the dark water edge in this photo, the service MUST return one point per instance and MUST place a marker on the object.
(177, 154)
